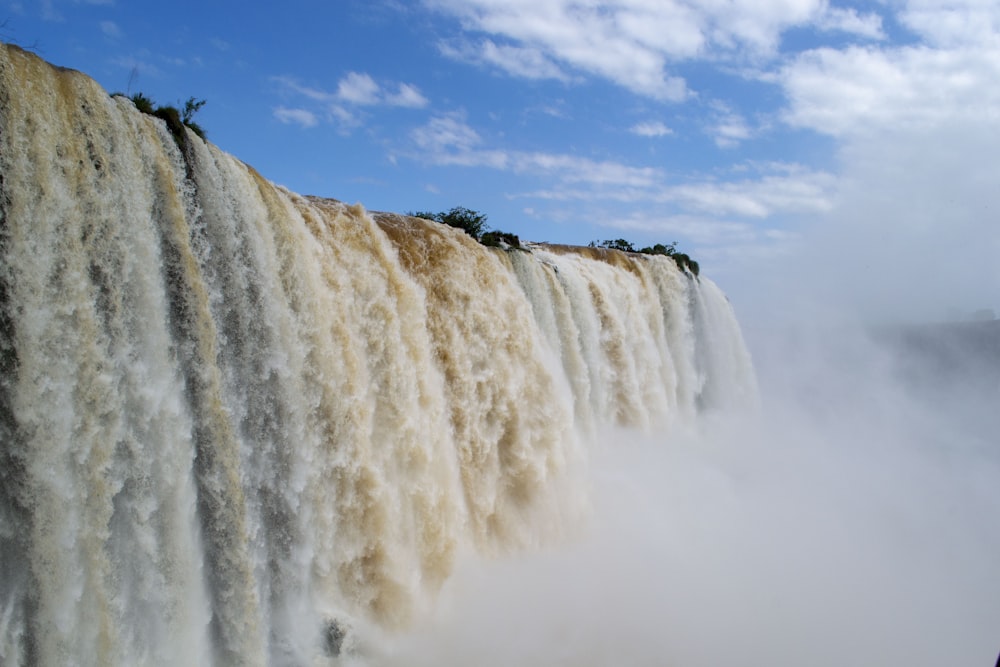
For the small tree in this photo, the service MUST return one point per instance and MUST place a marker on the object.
(683, 260)
(175, 118)
(660, 249)
(143, 103)
(616, 244)
(191, 107)
(471, 222)
(496, 239)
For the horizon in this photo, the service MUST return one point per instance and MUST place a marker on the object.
(848, 144)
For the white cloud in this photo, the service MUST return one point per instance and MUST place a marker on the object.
(291, 85)
(651, 129)
(363, 90)
(904, 228)
(344, 118)
(858, 91)
(634, 42)
(555, 110)
(535, 40)
(954, 23)
(574, 169)
(110, 28)
(316, 94)
(849, 21)
(698, 230)
(139, 66)
(773, 189)
(521, 61)
(527, 62)
(729, 128)
(407, 96)
(911, 233)
(355, 91)
(446, 133)
(301, 117)
(449, 141)
(797, 190)
(951, 76)
(358, 88)
(766, 195)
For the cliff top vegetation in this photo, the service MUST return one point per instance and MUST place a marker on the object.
(683, 260)
(175, 118)
(472, 223)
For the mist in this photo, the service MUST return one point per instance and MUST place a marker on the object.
(847, 523)
(852, 520)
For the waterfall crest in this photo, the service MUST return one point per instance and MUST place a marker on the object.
(234, 419)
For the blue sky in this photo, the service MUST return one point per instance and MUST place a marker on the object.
(852, 146)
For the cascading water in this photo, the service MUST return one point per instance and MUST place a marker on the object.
(236, 420)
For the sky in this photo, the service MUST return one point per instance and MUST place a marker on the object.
(840, 152)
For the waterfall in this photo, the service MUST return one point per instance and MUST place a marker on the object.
(235, 421)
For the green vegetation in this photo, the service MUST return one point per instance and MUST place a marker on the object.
(683, 260)
(472, 223)
(176, 119)
(495, 238)
(616, 244)
(660, 249)
(191, 107)
(143, 103)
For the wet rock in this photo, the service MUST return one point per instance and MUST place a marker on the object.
(333, 638)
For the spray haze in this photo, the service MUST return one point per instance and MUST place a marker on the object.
(851, 522)
(853, 519)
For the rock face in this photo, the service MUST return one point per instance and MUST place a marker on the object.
(333, 638)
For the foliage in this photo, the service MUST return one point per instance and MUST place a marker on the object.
(683, 260)
(472, 223)
(143, 103)
(172, 117)
(176, 119)
(494, 238)
(616, 244)
(191, 107)
(660, 249)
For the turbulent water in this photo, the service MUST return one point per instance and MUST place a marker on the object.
(238, 423)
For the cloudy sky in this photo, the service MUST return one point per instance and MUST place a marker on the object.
(850, 146)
